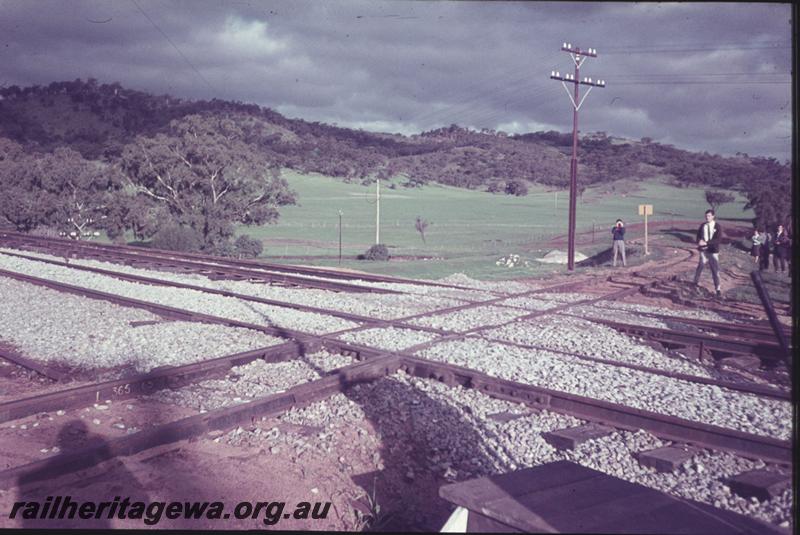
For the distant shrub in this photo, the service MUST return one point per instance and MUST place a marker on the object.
(247, 247)
(496, 186)
(48, 232)
(516, 187)
(376, 252)
(223, 248)
(177, 238)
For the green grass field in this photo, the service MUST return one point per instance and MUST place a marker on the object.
(469, 230)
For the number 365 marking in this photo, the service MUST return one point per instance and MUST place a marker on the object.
(121, 390)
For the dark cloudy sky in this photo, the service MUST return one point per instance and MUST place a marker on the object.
(703, 76)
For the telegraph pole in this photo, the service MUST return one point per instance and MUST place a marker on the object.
(578, 56)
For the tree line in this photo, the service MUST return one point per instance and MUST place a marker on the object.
(153, 161)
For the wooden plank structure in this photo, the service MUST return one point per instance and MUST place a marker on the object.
(564, 497)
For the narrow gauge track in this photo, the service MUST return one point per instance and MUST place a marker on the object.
(378, 364)
(445, 335)
(212, 270)
(736, 330)
(222, 265)
(150, 383)
(162, 282)
(300, 343)
(663, 336)
(767, 351)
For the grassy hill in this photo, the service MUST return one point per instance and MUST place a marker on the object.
(444, 176)
(469, 230)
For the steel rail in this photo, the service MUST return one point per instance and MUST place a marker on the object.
(615, 415)
(748, 388)
(223, 271)
(185, 286)
(366, 321)
(244, 263)
(759, 348)
(731, 329)
(173, 377)
(270, 405)
(449, 335)
(147, 383)
(625, 417)
(161, 310)
(619, 416)
(333, 344)
(10, 354)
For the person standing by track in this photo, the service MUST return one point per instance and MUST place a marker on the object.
(758, 241)
(708, 240)
(781, 248)
(766, 247)
(618, 247)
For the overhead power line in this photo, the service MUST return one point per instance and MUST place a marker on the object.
(703, 82)
(696, 47)
(178, 50)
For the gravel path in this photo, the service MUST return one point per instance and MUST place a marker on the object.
(528, 303)
(622, 316)
(464, 320)
(383, 306)
(256, 379)
(585, 337)
(703, 403)
(566, 297)
(509, 286)
(193, 300)
(390, 339)
(419, 289)
(86, 333)
(677, 312)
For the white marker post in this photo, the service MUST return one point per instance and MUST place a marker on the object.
(645, 210)
(377, 211)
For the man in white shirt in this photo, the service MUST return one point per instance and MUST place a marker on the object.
(708, 240)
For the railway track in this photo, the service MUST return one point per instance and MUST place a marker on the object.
(214, 266)
(664, 336)
(373, 365)
(367, 323)
(376, 364)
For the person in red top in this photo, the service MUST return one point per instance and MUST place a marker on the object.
(708, 240)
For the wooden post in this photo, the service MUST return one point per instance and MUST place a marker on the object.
(340, 236)
(377, 211)
(645, 210)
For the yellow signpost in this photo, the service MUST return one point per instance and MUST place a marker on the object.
(645, 210)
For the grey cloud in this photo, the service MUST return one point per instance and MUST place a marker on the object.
(416, 65)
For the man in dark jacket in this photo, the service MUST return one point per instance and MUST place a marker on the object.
(782, 244)
(766, 247)
(618, 234)
(708, 239)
